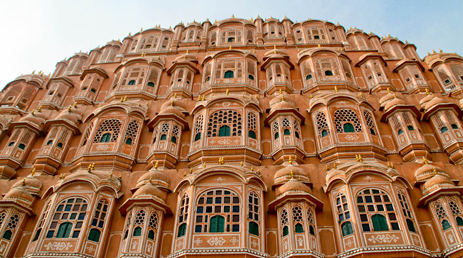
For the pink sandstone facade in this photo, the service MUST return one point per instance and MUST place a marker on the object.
(236, 138)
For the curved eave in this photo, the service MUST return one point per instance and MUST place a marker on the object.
(457, 190)
(327, 100)
(31, 126)
(143, 201)
(67, 123)
(118, 106)
(313, 51)
(404, 63)
(240, 100)
(271, 59)
(272, 206)
(146, 60)
(63, 79)
(284, 111)
(175, 117)
(440, 106)
(230, 51)
(366, 57)
(17, 206)
(186, 63)
(97, 70)
(259, 180)
(396, 108)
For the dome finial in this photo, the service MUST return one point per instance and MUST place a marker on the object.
(23, 183)
(388, 90)
(434, 170)
(292, 174)
(335, 88)
(33, 171)
(290, 160)
(425, 161)
(157, 164)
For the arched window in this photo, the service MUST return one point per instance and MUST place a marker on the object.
(183, 215)
(94, 235)
(445, 224)
(297, 219)
(198, 137)
(346, 119)
(7, 235)
(342, 208)
(252, 134)
(224, 130)
(444, 129)
(410, 128)
(48, 143)
(370, 122)
(324, 133)
(308, 77)
(454, 126)
(229, 118)
(131, 82)
(459, 221)
(150, 84)
(98, 220)
(375, 209)
(328, 73)
(110, 126)
(11, 226)
(68, 219)
(253, 213)
(311, 221)
(59, 145)
(173, 139)
(152, 226)
(21, 146)
(406, 210)
(213, 207)
(400, 132)
(284, 222)
(199, 127)
(139, 222)
(252, 125)
(163, 137)
(442, 215)
(228, 74)
(287, 132)
(131, 132)
(137, 231)
(128, 141)
(346, 228)
(10, 144)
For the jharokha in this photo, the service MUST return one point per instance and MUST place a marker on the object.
(236, 138)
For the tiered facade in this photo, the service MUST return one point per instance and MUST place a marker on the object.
(244, 138)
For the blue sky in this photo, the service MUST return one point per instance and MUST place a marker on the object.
(38, 34)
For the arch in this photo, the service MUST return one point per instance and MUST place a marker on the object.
(229, 74)
(64, 230)
(348, 128)
(137, 231)
(252, 134)
(379, 223)
(94, 235)
(298, 228)
(285, 231)
(7, 235)
(217, 224)
(151, 234)
(445, 224)
(224, 130)
(347, 229)
(253, 228)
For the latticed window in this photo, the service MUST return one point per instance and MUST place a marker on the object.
(199, 127)
(406, 210)
(343, 214)
(98, 221)
(457, 70)
(453, 204)
(68, 218)
(286, 126)
(441, 126)
(2, 217)
(451, 119)
(134, 76)
(40, 224)
(251, 70)
(326, 67)
(138, 222)
(164, 131)
(183, 215)
(218, 211)
(276, 130)
(229, 69)
(322, 125)
(175, 133)
(153, 77)
(311, 221)
(11, 226)
(370, 122)
(108, 131)
(252, 125)
(253, 213)
(132, 131)
(442, 215)
(296, 129)
(284, 222)
(153, 225)
(315, 33)
(224, 123)
(408, 121)
(346, 67)
(231, 36)
(127, 224)
(376, 211)
(297, 219)
(346, 121)
(444, 76)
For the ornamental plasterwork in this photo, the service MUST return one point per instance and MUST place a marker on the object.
(386, 238)
(58, 246)
(352, 137)
(216, 241)
(234, 240)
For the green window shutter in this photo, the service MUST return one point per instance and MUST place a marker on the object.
(221, 224)
(445, 224)
(459, 221)
(348, 128)
(287, 132)
(228, 74)
(347, 229)
(411, 226)
(311, 230)
(252, 134)
(163, 137)
(253, 228)
(197, 136)
(137, 231)
(277, 135)
(151, 235)
(285, 231)
(64, 230)
(7, 235)
(173, 139)
(181, 230)
(224, 130)
(299, 228)
(213, 224)
(444, 129)
(324, 133)
(94, 235)
(400, 132)
(106, 137)
(379, 223)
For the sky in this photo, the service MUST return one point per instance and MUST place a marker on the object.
(38, 34)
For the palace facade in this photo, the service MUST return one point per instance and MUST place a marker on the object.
(236, 138)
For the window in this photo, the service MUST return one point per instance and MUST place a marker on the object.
(251, 77)
(277, 135)
(21, 146)
(132, 132)
(139, 223)
(346, 228)
(49, 142)
(199, 127)
(324, 133)
(322, 125)
(10, 144)
(152, 226)
(229, 118)
(219, 210)
(410, 128)
(311, 221)
(252, 135)
(11, 226)
(39, 225)
(252, 125)
(342, 208)
(253, 228)
(173, 139)
(284, 222)
(198, 137)
(370, 122)
(400, 132)
(406, 210)
(183, 214)
(60, 145)
(68, 219)
(454, 126)
(94, 235)
(137, 231)
(110, 129)
(444, 129)
(128, 141)
(253, 213)
(131, 82)
(98, 220)
(150, 84)
(442, 215)
(347, 116)
(228, 74)
(297, 219)
(328, 73)
(376, 209)
(308, 77)
(163, 137)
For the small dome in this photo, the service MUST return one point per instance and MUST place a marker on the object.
(330, 175)
(74, 115)
(433, 102)
(155, 176)
(427, 171)
(19, 193)
(29, 181)
(286, 172)
(425, 100)
(294, 186)
(435, 182)
(394, 103)
(37, 118)
(149, 190)
(388, 97)
(172, 110)
(282, 105)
